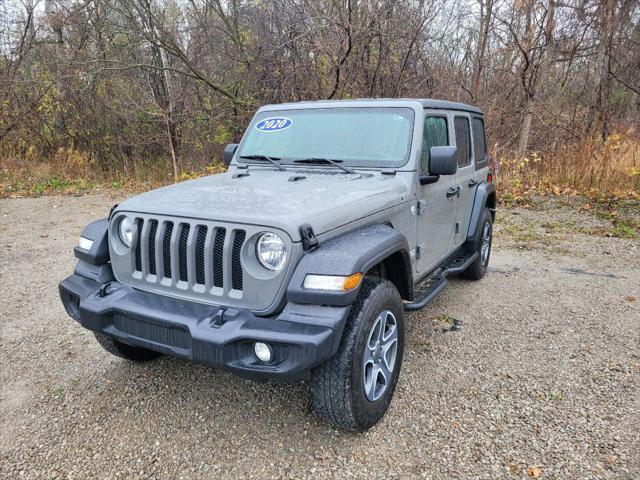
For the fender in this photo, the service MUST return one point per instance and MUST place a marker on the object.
(352, 252)
(485, 197)
(98, 254)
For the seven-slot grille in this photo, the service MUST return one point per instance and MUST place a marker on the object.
(202, 257)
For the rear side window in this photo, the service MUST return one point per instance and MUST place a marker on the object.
(435, 135)
(463, 141)
(479, 141)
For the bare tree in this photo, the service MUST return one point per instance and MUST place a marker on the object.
(130, 84)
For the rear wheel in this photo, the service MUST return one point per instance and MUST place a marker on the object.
(119, 349)
(353, 389)
(481, 243)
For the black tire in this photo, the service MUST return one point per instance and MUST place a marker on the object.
(119, 349)
(337, 386)
(478, 268)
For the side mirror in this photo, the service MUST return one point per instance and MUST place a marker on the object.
(443, 161)
(229, 152)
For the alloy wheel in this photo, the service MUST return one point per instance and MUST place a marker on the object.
(380, 355)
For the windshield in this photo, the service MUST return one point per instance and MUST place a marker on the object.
(365, 137)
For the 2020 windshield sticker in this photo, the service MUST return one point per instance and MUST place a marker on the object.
(273, 124)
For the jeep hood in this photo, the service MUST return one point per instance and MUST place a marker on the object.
(326, 200)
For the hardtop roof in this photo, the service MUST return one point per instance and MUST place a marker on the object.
(427, 103)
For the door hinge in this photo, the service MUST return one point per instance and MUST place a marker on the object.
(419, 250)
(421, 206)
(454, 192)
(457, 227)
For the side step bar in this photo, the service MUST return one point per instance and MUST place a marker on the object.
(431, 286)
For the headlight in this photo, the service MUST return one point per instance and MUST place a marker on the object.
(271, 251)
(125, 231)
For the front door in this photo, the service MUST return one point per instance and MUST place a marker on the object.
(436, 207)
(464, 179)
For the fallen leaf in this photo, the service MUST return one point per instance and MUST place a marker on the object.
(513, 469)
(630, 298)
(534, 472)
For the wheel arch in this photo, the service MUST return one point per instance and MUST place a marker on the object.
(491, 204)
(485, 197)
(377, 250)
(397, 269)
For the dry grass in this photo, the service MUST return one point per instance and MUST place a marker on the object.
(592, 168)
(73, 172)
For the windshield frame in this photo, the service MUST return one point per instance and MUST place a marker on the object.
(283, 109)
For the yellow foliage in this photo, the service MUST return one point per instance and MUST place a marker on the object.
(590, 167)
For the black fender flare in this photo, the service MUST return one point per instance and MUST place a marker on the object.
(485, 197)
(349, 253)
(98, 254)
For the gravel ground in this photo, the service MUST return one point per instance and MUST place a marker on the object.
(541, 379)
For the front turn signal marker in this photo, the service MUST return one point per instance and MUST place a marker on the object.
(335, 283)
(352, 281)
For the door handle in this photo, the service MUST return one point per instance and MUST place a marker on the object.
(473, 183)
(453, 191)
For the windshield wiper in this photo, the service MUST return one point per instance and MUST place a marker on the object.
(265, 158)
(335, 163)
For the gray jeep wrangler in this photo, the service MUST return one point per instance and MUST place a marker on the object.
(332, 220)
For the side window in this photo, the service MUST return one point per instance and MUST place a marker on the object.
(435, 135)
(463, 141)
(479, 141)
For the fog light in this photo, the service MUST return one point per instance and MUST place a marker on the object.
(263, 352)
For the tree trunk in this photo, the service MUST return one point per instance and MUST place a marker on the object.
(526, 129)
(531, 86)
(599, 111)
(172, 147)
(478, 64)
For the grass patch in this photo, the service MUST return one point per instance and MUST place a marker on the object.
(445, 319)
(553, 396)
(520, 233)
(625, 229)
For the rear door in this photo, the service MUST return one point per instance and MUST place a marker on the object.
(464, 179)
(436, 212)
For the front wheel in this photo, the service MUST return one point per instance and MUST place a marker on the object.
(353, 389)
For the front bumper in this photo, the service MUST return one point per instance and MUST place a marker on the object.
(301, 336)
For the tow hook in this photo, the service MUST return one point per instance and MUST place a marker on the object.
(104, 290)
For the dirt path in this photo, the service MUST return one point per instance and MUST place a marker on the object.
(542, 377)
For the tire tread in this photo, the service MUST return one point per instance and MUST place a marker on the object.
(331, 384)
(476, 270)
